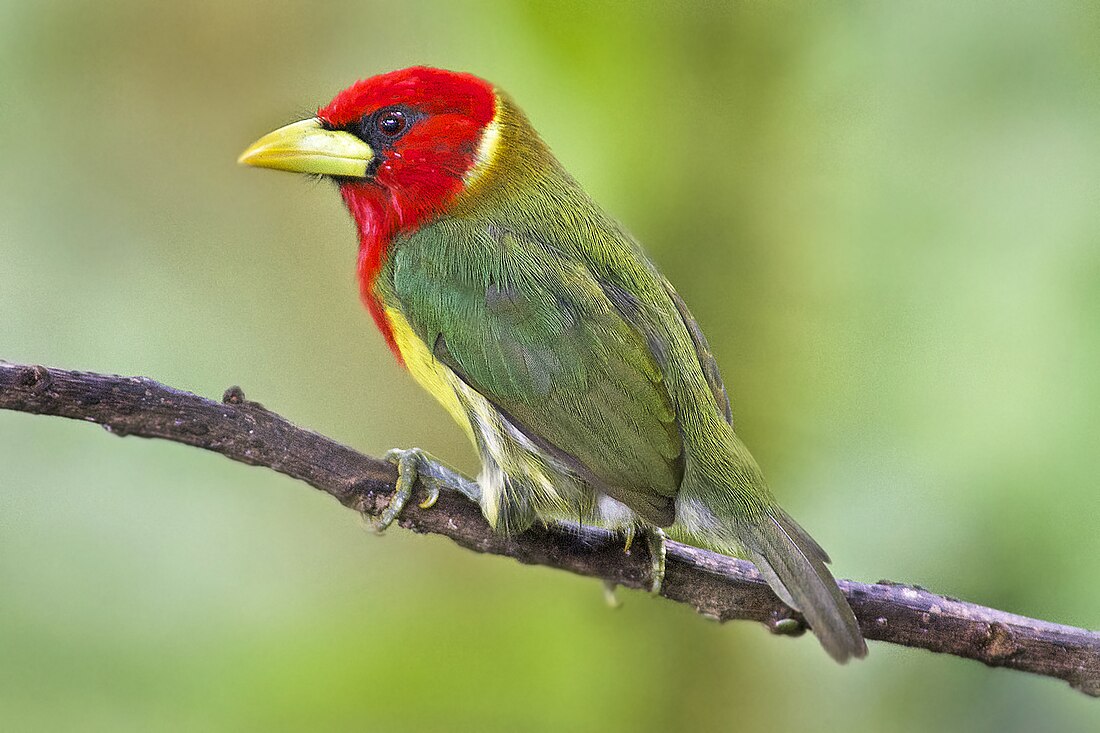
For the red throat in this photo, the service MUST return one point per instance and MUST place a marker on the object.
(420, 174)
(377, 228)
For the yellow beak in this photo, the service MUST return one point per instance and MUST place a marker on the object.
(307, 147)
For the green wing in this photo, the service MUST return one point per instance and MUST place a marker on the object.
(535, 332)
(707, 363)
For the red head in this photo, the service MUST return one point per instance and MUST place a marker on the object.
(401, 146)
(424, 126)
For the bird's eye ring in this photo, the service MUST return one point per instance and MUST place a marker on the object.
(392, 123)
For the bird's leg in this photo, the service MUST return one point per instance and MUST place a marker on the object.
(655, 543)
(414, 464)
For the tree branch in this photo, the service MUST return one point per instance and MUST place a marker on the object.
(716, 586)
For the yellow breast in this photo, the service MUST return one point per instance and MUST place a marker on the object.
(501, 455)
(429, 372)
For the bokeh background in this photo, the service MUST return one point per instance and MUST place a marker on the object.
(885, 217)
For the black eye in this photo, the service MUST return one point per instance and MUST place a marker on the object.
(392, 123)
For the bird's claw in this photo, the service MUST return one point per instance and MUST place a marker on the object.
(408, 470)
(655, 546)
(431, 499)
(414, 465)
(655, 542)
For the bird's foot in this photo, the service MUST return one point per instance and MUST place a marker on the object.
(655, 545)
(414, 464)
(655, 542)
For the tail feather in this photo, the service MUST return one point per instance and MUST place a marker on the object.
(794, 566)
(794, 530)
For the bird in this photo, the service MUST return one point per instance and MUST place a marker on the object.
(536, 319)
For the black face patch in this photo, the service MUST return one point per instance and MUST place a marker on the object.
(384, 127)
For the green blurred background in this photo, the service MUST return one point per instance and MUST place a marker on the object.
(885, 217)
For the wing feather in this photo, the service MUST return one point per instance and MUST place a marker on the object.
(534, 332)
